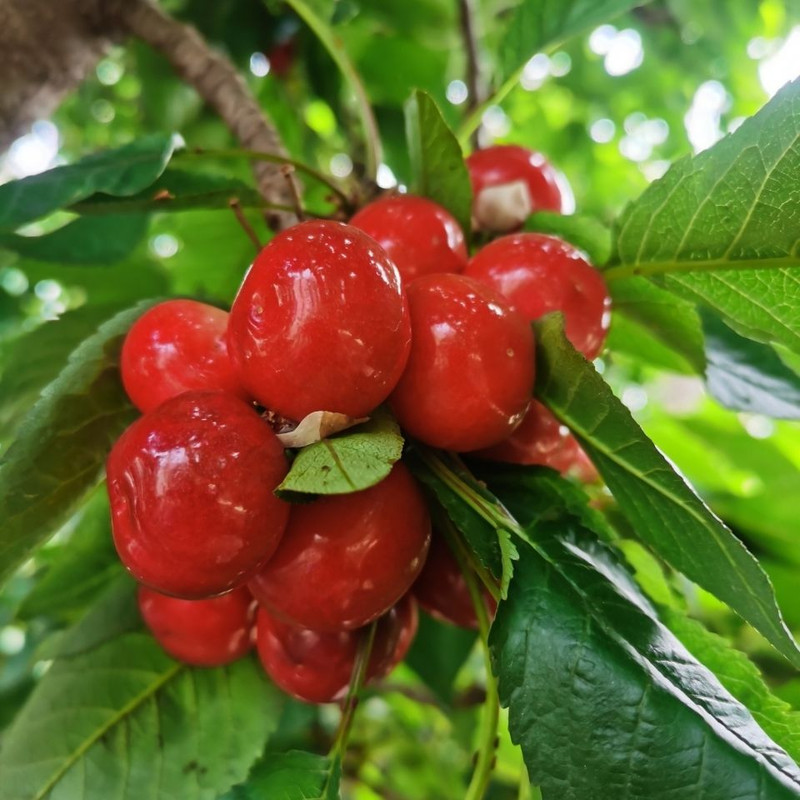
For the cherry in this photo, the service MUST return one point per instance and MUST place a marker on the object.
(419, 235)
(501, 166)
(442, 591)
(191, 487)
(539, 274)
(204, 633)
(347, 559)
(540, 439)
(320, 322)
(470, 373)
(175, 347)
(317, 667)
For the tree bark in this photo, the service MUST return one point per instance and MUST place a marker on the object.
(48, 47)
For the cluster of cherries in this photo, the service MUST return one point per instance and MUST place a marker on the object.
(340, 318)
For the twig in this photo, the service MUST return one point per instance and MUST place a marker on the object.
(219, 84)
(236, 207)
(466, 11)
(287, 170)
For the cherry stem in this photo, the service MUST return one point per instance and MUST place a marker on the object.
(487, 749)
(357, 681)
(467, 15)
(256, 155)
(236, 207)
(287, 170)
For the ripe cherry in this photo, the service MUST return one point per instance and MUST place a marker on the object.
(539, 274)
(347, 559)
(540, 439)
(317, 667)
(419, 235)
(191, 487)
(177, 346)
(442, 591)
(508, 167)
(204, 633)
(470, 373)
(320, 322)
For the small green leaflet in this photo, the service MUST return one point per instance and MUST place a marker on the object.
(663, 509)
(475, 511)
(436, 159)
(748, 376)
(124, 171)
(349, 462)
(294, 775)
(61, 446)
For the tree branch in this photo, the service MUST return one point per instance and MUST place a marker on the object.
(466, 9)
(216, 80)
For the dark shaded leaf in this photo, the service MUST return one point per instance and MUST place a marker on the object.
(661, 506)
(292, 776)
(748, 376)
(61, 446)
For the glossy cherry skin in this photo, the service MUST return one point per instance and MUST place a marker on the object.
(320, 323)
(347, 559)
(203, 633)
(191, 485)
(419, 235)
(317, 667)
(540, 439)
(539, 274)
(442, 591)
(175, 347)
(470, 373)
(505, 164)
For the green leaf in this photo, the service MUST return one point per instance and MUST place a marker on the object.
(352, 461)
(741, 678)
(748, 376)
(723, 227)
(292, 776)
(627, 712)
(123, 720)
(84, 241)
(123, 171)
(538, 24)
(86, 565)
(176, 190)
(672, 321)
(474, 511)
(661, 506)
(29, 362)
(437, 162)
(586, 233)
(61, 446)
(438, 653)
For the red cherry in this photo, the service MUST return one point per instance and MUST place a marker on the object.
(204, 633)
(317, 667)
(419, 235)
(540, 439)
(442, 591)
(320, 323)
(345, 560)
(191, 487)
(175, 347)
(470, 373)
(539, 274)
(502, 165)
